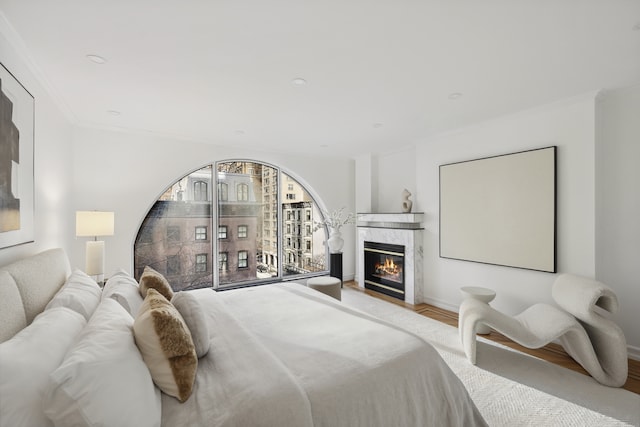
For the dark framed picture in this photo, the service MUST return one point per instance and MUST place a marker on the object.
(17, 107)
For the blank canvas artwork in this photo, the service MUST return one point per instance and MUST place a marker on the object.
(501, 210)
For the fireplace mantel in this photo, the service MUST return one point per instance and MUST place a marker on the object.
(409, 221)
(399, 229)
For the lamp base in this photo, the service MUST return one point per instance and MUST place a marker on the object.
(94, 265)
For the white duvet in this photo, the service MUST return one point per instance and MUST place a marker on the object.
(284, 355)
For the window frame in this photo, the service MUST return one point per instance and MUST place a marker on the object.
(200, 190)
(173, 234)
(223, 192)
(242, 192)
(223, 259)
(199, 233)
(198, 263)
(243, 261)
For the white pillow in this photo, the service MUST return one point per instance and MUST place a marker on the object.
(80, 293)
(189, 307)
(124, 289)
(27, 360)
(103, 379)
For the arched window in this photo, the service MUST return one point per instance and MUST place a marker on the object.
(268, 220)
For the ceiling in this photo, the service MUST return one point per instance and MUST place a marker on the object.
(380, 74)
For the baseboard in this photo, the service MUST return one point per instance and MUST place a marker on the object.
(633, 352)
(441, 304)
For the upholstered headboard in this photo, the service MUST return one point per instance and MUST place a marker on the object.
(27, 285)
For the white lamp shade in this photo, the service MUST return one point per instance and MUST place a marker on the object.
(94, 223)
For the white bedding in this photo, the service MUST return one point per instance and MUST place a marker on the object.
(284, 355)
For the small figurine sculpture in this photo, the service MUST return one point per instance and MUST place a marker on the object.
(406, 203)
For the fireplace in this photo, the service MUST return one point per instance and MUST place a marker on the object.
(384, 268)
(399, 273)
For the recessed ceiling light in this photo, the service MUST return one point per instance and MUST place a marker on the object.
(455, 95)
(299, 81)
(114, 112)
(96, 59)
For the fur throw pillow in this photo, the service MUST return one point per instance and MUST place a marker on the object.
(152, 279)
(166, 346)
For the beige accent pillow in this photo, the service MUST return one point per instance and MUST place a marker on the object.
(193, 315)
(166, 346)
(152, 279)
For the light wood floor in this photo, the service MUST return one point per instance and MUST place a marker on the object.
(553, 353)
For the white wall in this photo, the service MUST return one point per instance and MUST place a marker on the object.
(618, 202)
(53, 222)
(125, 173)
(570, 125)
(396, 171)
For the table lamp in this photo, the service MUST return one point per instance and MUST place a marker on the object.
(94, 223)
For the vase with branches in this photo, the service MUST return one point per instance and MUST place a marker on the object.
(334, 220)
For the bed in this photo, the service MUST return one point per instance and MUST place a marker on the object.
(276, 355)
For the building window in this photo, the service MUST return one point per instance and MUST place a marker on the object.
(290, 187)
(173, 265)
(222, 232)
(173, 233)
(243, 192)
(223, 191)
(243, 259)
(201, 263)
(242, 231)
(201, 232)
(223, 261)
(291, 196)
(308, 214)
(200, 190)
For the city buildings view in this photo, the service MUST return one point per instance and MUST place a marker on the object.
(263, 220)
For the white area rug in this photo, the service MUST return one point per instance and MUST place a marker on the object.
(511, 388)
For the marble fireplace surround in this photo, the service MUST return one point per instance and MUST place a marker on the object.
(398, 229)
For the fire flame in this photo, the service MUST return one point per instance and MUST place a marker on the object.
(388, 267)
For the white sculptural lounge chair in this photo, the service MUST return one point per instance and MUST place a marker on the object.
(582, 326)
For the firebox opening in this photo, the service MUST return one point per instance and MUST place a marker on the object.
(384, 268)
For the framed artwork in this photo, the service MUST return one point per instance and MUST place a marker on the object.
(501, 210)
(17, 107)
